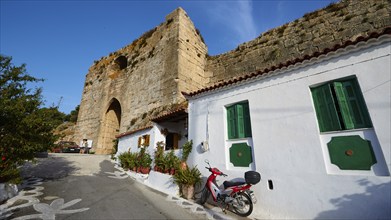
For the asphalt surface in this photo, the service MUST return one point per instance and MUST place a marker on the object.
(77, 186)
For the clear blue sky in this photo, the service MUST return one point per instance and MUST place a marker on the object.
(59, 40)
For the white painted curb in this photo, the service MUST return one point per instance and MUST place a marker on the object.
(7, 191)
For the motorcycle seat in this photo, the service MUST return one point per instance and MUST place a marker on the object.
(231, 183)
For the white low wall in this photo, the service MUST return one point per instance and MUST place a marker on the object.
(162, 182)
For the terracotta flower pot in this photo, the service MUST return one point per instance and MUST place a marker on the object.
(188, 191)
(145, 170)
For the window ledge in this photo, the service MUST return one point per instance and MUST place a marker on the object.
(346, 131)
(239, 139)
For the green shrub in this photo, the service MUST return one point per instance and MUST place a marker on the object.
(189, 176)
(171, 160)
(186, 150)
(128, 160)
(146, 160)
(159, 155)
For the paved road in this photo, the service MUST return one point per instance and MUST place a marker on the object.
(76, 186)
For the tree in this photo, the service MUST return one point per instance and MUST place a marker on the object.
(72, 117)
(25, 128)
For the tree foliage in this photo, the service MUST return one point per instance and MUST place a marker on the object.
(25, 127)
(72, 117)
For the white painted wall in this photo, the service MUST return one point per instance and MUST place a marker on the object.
(288, 147)
(156, 180)
(172, 127)
(130, 142)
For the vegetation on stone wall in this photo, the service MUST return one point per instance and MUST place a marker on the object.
(72, 116)
(199, 34)
(143, 119)
(316, 31)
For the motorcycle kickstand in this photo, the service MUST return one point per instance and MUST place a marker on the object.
(224, 210)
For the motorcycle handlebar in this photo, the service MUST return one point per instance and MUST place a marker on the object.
(210, 169)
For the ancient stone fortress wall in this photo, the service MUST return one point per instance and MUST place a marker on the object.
(125, 89)
(312, 33)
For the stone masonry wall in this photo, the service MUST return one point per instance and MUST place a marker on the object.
(145, 77)
(313, 32)
(192, 53)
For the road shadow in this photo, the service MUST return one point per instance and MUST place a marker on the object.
(50, 168)
(98, 192)
(106, 166)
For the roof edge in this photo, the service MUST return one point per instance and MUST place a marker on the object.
(133, 131)
(287, 64)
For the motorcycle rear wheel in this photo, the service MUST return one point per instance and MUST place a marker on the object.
(204, 195)
(242, 204)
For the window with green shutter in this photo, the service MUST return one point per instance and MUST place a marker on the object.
(340, 105)
(238, 121)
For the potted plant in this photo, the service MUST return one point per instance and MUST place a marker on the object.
(121, 158)
(166, 163)
(172, 162)
(186, 150)
(131, 160)
(137, 162)
(159, 157)
(186, 180)
(145, 163)
(124, 159)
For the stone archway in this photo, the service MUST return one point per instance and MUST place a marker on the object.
(109, 127)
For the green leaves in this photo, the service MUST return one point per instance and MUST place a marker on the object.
(189, 176)
(186, 150)
(25, 127)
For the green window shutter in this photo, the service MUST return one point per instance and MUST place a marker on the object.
(351, 102)
(247, 120)
(358, 109)
(344, 105)
(231, 122)
(240, 120)
(326, 112)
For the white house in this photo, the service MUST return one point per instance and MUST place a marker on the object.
(317, 129)
(169, 128)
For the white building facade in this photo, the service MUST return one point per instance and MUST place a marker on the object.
(170, 129)
(318, 131)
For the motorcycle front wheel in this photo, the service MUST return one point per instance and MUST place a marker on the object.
(204, 195)
(242, 204)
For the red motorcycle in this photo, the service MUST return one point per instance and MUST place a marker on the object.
(235, 196)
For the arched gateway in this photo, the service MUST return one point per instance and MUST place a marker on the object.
(109, 127)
